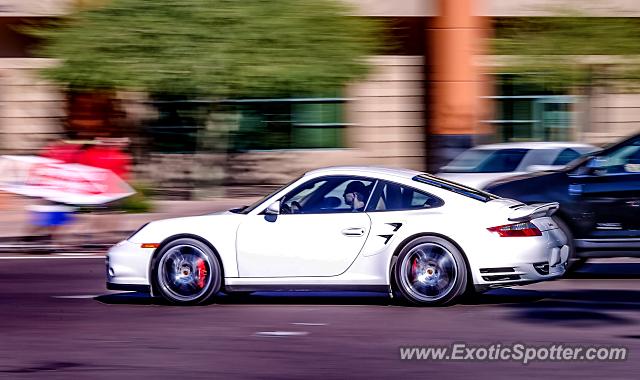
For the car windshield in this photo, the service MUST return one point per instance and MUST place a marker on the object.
(610, 155)
(248, 209)
(486, 161)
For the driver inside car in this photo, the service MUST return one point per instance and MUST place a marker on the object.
(355, 195)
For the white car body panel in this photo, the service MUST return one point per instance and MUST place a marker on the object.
(304, 245)
(311, 249)
(218, 229)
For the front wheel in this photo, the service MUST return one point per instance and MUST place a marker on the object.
(430, 271)
(186, 271)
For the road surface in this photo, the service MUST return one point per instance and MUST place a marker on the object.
(58, 321)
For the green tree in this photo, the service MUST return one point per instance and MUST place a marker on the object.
(212, 48)
(571, 51)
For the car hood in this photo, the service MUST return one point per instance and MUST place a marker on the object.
(202, 225)
(549, 174)
(531, 187)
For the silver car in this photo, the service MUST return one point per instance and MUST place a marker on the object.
(478, 166)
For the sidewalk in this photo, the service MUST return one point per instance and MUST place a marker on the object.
(101, 228)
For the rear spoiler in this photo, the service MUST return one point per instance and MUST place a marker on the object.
(538, 210)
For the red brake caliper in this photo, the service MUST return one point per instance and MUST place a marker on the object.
(414, 267)
(202, 273)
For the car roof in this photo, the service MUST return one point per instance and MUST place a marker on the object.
(535, 145)
(374, 171)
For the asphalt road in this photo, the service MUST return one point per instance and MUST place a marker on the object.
(57, 321)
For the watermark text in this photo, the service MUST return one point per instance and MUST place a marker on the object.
(519, 352)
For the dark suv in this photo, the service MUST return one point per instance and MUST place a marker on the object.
(599, 196)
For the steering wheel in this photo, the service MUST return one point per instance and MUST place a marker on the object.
(296, 207)
(285, 209)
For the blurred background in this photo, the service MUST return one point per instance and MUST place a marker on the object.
(222, 99)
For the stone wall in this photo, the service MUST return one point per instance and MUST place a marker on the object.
(36, 8)
(395, 8)
(547, 8)
(614, 116)
(31, 109)
(387, 113)
(278, 167)
(250, 173)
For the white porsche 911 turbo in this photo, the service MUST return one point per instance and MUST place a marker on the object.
(422, 238)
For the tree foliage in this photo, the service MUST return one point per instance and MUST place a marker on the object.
(569, 51)
(212, 48)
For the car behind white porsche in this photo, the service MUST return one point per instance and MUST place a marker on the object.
(425, 239)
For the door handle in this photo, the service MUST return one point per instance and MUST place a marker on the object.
(354, 231)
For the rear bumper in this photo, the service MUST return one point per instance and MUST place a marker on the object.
(524, 260)
(521, 274)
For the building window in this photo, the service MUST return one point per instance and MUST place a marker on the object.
(247, 124)
(530, 113)
(177, 126)
(289, 124)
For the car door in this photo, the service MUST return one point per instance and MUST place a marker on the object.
(317, 233)
(608, 187)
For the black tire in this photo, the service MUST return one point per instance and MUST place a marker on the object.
(186, 272)
(421, 280)
(573, 262)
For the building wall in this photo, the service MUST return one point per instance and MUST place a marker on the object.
(394, 8)
(387, 113)
(614, 116)
(36, 8)
(529, 8)
(31, 109)
(379, 8)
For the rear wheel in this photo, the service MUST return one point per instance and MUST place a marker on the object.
(573, 262)
(430, 271)
(186, 271)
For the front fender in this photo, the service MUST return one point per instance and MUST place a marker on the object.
(218, 231)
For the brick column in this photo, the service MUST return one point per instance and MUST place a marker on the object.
(456, 36)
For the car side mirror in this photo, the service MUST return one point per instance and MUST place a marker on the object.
(595, 166)
(273, 209)
(596, 162)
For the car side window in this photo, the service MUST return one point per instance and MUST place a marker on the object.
(334, 194)
(567, 155)
(625, 159)
(391, 196)
(503, 160)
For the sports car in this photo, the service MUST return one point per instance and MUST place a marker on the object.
(413, 235)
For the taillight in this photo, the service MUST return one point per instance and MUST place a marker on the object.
(516, 229)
